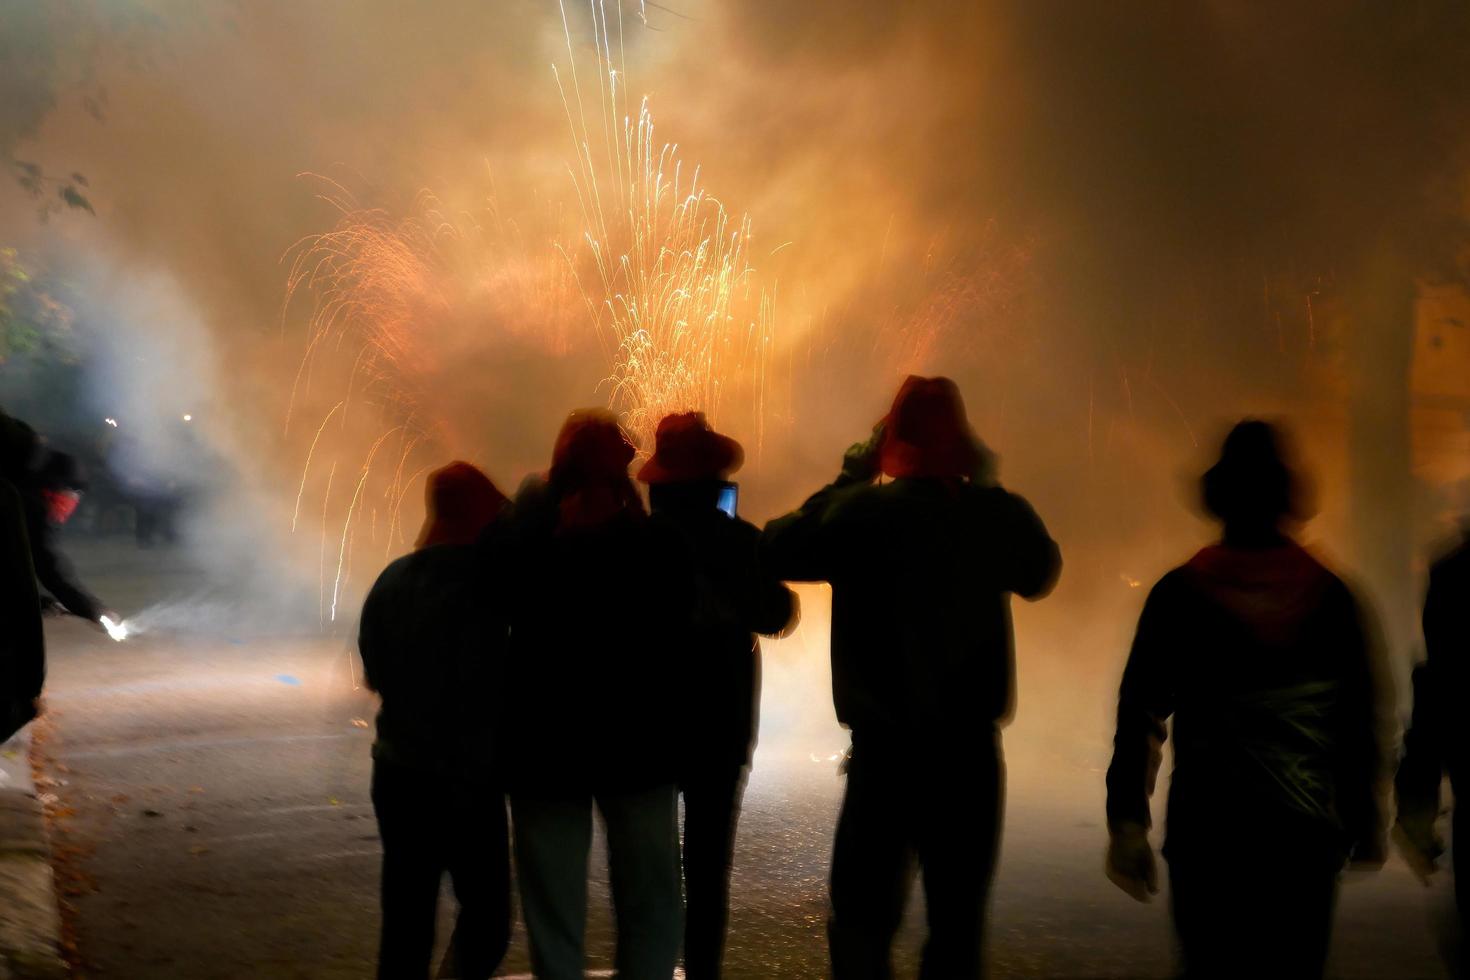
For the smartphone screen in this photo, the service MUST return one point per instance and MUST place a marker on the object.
(729, 496)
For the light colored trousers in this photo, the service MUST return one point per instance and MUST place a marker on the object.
(553, 840)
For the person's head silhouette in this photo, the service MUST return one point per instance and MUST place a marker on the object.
(1254, 489)
(459, 503)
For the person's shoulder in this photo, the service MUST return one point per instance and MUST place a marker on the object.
(1452, 563)
(399, 568)
(743, 531)
(994, 497)
(1176, 585)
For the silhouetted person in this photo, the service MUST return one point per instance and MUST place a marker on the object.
(22, 641)
(922, 570)
(600, 599)
(1262, 657)
(433, 647)
(49, 484)
(1438, 740)
(719, 668)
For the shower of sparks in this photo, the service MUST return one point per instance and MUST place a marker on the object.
(671, 291)
(661, 268)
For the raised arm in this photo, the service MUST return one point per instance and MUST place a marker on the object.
(1032, 560)
(796, 548)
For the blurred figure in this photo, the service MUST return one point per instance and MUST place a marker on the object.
(433, 648)
(719, 680)
(150, 484)
(1263, 658)
(22, 640)
(1438, 740)
(50, 484)
(922, 570)
(600, 600)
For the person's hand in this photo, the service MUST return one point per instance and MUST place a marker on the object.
(1130, 863)
(1420, 846)
(860, 462)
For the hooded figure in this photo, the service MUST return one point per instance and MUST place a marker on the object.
(433, 647)
(22, 641)
(922, 570)
(719, 668)
(1262, 657)
(49, 483)
(1438, 740)
(600, 600)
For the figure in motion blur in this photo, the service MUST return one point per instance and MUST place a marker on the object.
(922, 569)
(50, 484)
(433, 642)
(1263, 658)
(22, 640)
(719, 666)
(1438, 740)
(600, 603)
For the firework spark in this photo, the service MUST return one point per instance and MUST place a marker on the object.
(672, 290)
(660, 268)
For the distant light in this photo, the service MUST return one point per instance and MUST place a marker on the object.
(111, 422)
(118, 631)
(188, 418)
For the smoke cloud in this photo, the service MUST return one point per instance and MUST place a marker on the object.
(1118, 226)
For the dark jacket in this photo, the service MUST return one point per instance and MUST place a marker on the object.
(1438, 739)
(53, 570)
(1263, 659)
(597, 614)
(719, 666)
(921, 571)
(22, 641)
(433, 646)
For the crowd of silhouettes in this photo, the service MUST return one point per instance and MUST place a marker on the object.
(575, 653)
(573, 650)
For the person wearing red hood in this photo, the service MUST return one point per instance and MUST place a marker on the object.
(600, 599)
(1265, 661)
(719, 670)
(48, 483)
(922, 569)
(433, 648)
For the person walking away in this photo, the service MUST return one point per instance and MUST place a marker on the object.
(22, 641)
(433, 647)
(719, 669)
(1438, 740)
(922, 569)
(1262, 657)
(600, 601)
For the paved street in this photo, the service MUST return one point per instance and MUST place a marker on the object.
(213, 815)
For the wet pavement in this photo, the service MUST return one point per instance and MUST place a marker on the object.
(213, 817)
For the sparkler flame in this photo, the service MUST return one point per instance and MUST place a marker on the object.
(117, 630)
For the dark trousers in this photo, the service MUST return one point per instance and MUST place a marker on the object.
(1253, 914)
(906, 807)
(711, 813)
(430, 825)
